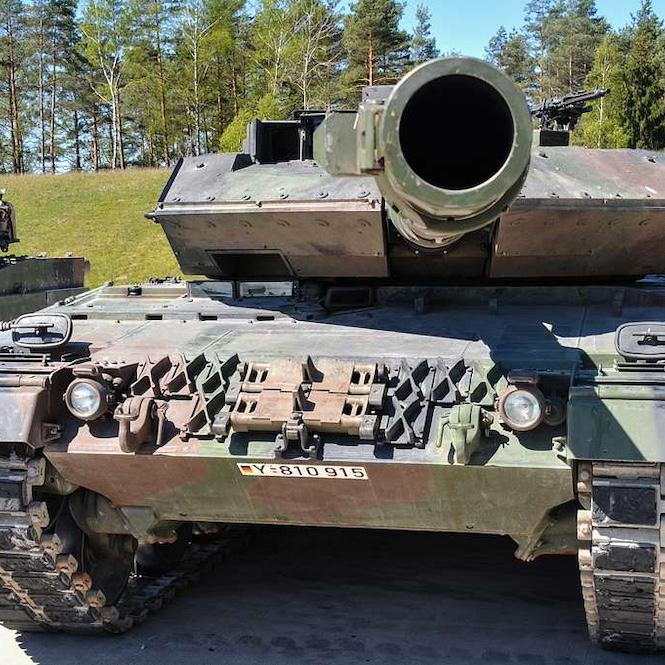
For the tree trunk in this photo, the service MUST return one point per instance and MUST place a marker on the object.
(14, 121)
(121, 136)
(150, 141)
(42, 115)
(162, 92)
(220, 112)
(95, 140)
(54, 74)
(234, 86)
(197, 107)
(77, 139)
(17, 149)
(113, 138)
(206, 133)
(190, 137)
(221, 96)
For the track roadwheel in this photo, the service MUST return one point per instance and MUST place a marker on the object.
(107, 558)
(159, 558)
(622, 554)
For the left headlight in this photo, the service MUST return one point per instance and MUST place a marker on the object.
(522, 408)
(87, 399)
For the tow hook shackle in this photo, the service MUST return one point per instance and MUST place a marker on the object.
(139, 419)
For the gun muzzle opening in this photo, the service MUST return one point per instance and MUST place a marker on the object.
(456, 132)
(449, 148)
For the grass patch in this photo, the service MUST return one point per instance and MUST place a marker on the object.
(96, 215)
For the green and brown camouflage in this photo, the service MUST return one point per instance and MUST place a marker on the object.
(333, 371)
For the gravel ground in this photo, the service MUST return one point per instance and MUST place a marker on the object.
(305, 596)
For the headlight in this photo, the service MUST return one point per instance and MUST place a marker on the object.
(522, 408)
(86, 399)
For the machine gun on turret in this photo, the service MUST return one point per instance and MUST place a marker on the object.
(563, 113)
(559, 115)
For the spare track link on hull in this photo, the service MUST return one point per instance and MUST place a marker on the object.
(40, 588)
(621, 528)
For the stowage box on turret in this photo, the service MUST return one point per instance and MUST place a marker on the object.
(414, 317)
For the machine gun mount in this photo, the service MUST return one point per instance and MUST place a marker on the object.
(559, 115)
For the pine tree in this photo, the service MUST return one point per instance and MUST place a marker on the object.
(37, 49)
(148, 89)
(537, 14)
(117, 82)
(13, 31)
(574, 31)
(510, 52)
(642, 91)
(62, 46)
(377, 50)
(423, 45)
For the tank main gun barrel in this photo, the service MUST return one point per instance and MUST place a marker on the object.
(449, 147)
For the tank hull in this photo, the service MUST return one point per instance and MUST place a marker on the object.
(511, 484)
(200, 483)
(267, 404)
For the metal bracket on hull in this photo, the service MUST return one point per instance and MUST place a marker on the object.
(295, 398)
(295, 432)
(298, 399)
(463, 429)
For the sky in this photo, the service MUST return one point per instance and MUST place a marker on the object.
(466, 26)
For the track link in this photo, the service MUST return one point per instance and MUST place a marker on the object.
(621, 529)
(40, 587)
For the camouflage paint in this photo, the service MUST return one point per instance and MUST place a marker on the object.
(198, 479)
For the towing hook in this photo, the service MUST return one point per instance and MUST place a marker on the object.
(137, 417)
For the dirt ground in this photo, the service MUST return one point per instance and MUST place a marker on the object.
(305, 596)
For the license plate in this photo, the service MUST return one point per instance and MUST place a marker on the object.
(303, 471)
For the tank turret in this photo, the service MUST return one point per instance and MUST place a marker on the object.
(449, 146)
(434, 180)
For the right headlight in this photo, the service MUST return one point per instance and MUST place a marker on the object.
(87, 399)
(522, 408)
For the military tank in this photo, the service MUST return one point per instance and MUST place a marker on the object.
(29, 283)
(414, 317)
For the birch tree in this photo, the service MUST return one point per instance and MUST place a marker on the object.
(105, 28)
(195, 27)
(602, 127)
(273, 38)
(316, 47)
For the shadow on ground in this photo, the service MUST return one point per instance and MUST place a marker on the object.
(307, 596)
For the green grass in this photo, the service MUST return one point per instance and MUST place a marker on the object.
(96, 215)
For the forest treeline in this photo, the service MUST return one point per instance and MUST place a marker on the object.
(93, 84)
(566, 46)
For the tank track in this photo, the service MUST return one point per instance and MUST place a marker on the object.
(40, 588)
(621, 529)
